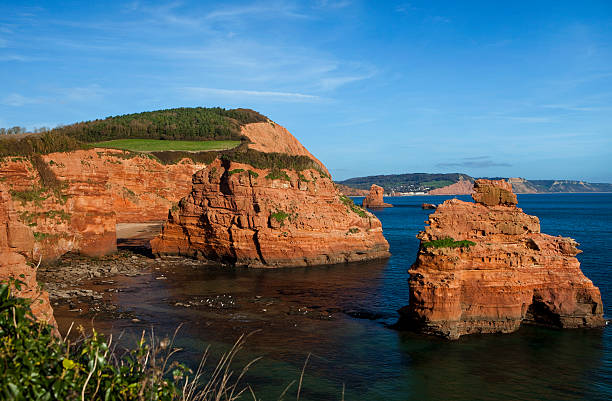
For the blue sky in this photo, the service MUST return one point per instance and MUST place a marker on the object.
(370, 87)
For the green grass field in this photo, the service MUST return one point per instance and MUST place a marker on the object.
(157, 145)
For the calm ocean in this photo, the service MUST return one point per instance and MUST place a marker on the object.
(356, 348)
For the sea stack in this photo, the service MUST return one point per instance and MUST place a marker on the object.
(374, 200)
(484, 267)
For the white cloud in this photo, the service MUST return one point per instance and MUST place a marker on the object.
(334, 4)
(17, 100)
(251, 93)
(15, 57)
(61, 95)
(331, 83)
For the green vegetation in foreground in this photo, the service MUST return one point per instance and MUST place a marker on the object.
(37, 365)
(158, 145)
(448, 242)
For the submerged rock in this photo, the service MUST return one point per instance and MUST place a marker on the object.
(374, 200)
(485, 267)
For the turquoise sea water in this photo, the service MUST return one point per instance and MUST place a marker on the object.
(355, 348)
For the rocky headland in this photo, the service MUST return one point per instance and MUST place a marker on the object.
(248, 216)
(374, 200)
(484, 267)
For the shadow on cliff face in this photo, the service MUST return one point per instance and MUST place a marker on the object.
(533, 363)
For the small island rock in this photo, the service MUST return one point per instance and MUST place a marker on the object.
(485, 267)
(374, 200)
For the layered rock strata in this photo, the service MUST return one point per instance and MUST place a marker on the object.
(73, 201)
(261, 218)
(508, 273)
(374, 200)
(16, 242)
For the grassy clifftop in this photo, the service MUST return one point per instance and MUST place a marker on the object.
(184, 124)
(201, 134)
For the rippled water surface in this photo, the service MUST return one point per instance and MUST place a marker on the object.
(339, 315)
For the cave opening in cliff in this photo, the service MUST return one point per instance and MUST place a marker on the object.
(539, 313)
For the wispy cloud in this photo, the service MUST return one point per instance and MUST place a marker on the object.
(354, 122)
(573, 107)
(474, 162)
(251, 93)
(405, 8)
(332, 83)
(529, 119)
(3, 43)
(15, 57)
(17, 100)
(439, 19)
(333, 3)
(540, 119)
(60, 95)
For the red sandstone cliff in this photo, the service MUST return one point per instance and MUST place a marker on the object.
(93, 190)
(269, 137)
(16, 241)
(461, 187)
(374, 200)
(512, 274)
(246, 216)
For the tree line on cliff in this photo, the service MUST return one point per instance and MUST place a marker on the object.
(196, 123)
(173, 124)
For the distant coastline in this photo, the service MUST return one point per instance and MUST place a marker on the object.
(420, 184)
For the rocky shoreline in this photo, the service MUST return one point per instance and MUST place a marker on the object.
(83, 289)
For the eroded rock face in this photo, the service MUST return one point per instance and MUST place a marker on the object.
(95, 190)
(269, 137)
(16, 242)
(493, 193)
(251, 217)
(511, 275)
(374, 200)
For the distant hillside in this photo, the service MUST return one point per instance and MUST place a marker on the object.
(441, 184)
(416, 182)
